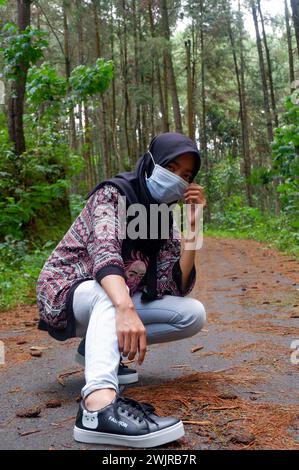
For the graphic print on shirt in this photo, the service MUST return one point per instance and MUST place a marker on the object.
(135, 268)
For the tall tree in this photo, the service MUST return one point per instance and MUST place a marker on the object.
(164, 113)
(289, 41)
(295, 10)
(17, 95)
(169, 67)
(269, 66)
(203, 120)
(104, 115)
(190, 112)
(262, 73)
(67, 63)
(240, 78)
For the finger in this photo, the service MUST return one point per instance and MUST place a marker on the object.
(141, 348)
(193, 191)
(120, 342)
(194, 185)
(127, 344)
(195, 195)
(134, 345)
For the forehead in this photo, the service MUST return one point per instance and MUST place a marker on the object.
(185, 161)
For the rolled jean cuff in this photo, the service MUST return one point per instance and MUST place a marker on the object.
(87, 390)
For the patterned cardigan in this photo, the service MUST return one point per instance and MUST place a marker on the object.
(88, 251)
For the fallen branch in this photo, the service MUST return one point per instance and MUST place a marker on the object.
(196, 348)
(221, 408)
(29, 432)
(61, 377)
(200, 423)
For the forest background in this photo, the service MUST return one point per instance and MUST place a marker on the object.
(85, 85)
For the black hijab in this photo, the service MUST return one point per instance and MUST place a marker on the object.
(164, 148)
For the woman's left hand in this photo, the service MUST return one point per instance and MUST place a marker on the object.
(194, 194)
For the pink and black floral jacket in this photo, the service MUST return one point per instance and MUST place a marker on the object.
(87, 251)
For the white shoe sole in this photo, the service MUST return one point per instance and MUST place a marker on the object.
(153, 439)
(125, 379)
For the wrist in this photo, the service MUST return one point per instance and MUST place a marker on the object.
(125, 306)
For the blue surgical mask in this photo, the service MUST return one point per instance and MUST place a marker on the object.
(164, 185)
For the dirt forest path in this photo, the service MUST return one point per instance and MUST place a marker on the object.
(233, 384)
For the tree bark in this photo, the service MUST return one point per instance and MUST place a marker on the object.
(127, 106)
(104, 99)
(67, 63)
(17, 95)
(203, 130)
(295, 11)
(269, 66)
(243, 108)
(190, 113)
(170, 70)
(164, 119)
(263, 73)
(119, 162)
(290, 47)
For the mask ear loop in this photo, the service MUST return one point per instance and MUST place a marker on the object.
(152, 159)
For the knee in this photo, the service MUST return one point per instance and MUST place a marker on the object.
(195, 316)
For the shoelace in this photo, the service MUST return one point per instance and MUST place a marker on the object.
(139, 410)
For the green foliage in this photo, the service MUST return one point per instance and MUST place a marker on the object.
(34, 186)
(286, 144)
(21, 49)
(77, 202)
(236, 215)
(20, 265)
(286, 158)
(224, 181)
(277, 232)
(87, 81)
(45, 86)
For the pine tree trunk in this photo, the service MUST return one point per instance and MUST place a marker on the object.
(17, 95)
(295, 10)
(263, 73)
(124, 53)
(203, 130)
(89, 171)
(136, 137)
(104, 99)
(290, 47)
(189, 91)
(170, 70)
(114, 141)
(67, 61)
(166, 94)
(242, 102)
(269, 66)
(164, 118)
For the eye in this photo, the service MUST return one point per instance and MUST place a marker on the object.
(170, 167)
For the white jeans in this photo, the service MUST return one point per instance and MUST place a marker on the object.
(168, 319)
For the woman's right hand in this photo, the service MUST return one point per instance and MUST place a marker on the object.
(131, 332)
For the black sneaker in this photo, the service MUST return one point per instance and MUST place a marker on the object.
(126, 375)
(126, 422)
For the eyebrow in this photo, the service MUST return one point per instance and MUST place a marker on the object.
(177, 164)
